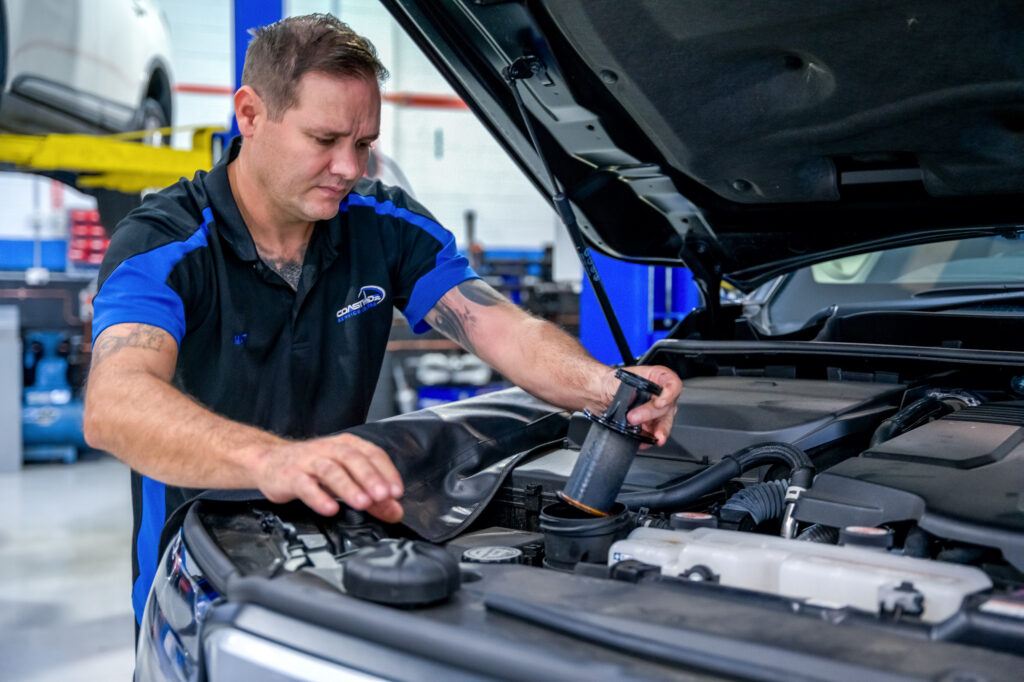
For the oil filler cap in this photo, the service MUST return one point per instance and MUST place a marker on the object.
(493, 554)
(866, 536)
(691, 520)
(401, 573)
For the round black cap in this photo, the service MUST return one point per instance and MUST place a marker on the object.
(401, 573)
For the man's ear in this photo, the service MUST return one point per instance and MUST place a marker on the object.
(249, 110)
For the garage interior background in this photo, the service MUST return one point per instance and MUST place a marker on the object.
(451, 162)
(64, 569)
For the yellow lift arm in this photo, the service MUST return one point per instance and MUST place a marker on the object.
(117, 162)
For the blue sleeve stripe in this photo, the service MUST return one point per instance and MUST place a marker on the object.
(450, 267)
(429, 290)
(137, 290)
(146, 544)
(388, 208)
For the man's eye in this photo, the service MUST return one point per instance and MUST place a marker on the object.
(325, 141)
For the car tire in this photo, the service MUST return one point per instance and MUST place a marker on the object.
(152, 116)
(3, 47)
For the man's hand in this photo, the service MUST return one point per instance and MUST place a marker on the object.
(656, 415)
(345, 466)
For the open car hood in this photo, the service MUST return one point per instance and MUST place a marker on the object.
(748, 139)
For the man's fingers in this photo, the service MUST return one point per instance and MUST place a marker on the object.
(656, 415)
(361, 474)
(320, 470)
(364, 475)
(310, 492)
(648, 413)
(337, 479)
(383, 465)
(664, 426)
(671, 385)
(388, 511)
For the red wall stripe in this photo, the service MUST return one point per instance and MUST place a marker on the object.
(402, 99)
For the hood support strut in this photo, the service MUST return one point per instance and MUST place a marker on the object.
(521, 69)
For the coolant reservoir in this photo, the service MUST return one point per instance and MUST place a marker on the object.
(825, 575)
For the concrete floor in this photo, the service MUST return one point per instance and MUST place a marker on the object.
(65, 572)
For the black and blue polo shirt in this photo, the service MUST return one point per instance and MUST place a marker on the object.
(300, 363)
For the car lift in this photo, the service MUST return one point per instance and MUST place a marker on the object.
(117, 162)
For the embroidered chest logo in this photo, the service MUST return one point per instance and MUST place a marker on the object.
(369, 297)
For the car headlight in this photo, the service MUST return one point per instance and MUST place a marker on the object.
(168, 647)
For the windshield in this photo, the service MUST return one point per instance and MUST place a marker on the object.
(924, 273)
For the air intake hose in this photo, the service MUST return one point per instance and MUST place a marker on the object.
(716, 475)
(827, 535)
(914, 414)
(762, 501)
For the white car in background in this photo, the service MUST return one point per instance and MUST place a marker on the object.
(84, 66)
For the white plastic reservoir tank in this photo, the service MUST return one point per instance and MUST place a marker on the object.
(825, 575)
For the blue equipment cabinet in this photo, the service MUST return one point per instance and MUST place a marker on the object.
(51, 415)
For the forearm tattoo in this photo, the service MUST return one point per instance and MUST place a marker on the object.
(142, 336)
(480, 293)
(454, 320)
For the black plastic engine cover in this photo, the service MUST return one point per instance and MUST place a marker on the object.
(960, 477)
(720, 415)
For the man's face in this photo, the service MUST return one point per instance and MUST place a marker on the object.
(309, 160)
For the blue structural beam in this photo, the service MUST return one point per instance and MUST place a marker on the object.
(250, 14)
(647, 301)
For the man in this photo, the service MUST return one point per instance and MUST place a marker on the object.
(242, 316)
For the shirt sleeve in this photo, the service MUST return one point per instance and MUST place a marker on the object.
(135, 278)
(427, 262)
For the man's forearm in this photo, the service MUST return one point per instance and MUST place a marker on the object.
(542, 359)
(553, 366)
(548, 363)
(133, 411)
(536, 355)
(160, 432)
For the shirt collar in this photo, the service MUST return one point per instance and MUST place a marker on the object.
(225, 210)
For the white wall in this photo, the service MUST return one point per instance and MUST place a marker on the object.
(201, 50)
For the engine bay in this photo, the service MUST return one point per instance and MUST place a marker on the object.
(914, 520)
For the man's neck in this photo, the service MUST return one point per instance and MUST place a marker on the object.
(280, 243)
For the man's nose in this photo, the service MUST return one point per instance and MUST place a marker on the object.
(346, 162)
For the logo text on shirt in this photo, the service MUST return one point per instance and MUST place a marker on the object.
(369, 296)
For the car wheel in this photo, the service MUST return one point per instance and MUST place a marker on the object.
(151, 117)
(3, 47)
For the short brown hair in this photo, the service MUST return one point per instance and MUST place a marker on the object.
(281, 53)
